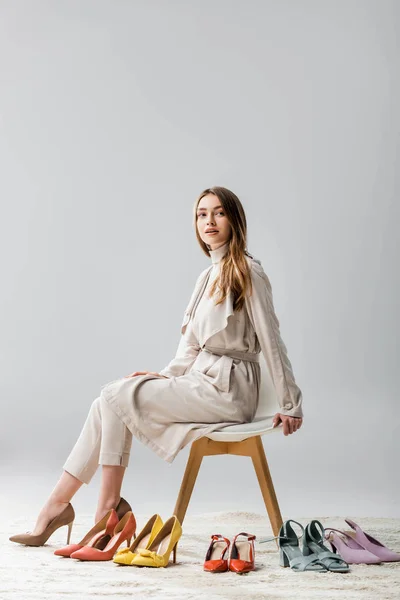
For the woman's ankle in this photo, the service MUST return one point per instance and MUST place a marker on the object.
(105, 506)
(56, 500)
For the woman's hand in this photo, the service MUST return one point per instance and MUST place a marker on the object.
(145, 373)
(289, 424)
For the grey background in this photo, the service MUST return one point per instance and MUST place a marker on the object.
(113, 117)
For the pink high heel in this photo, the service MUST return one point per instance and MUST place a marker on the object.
(123, 532)
(350, 550)
(371, 544)
(97, 537)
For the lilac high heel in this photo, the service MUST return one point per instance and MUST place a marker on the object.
(371, 544)
(350, 550)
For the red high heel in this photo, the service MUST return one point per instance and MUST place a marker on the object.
(241, 557)
(102, 529)
(215, 561)
(123, 531)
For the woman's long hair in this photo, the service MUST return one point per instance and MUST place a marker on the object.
(235, 272)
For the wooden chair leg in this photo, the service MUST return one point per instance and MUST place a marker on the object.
(252, 447)
(265, 481)
(196, 454)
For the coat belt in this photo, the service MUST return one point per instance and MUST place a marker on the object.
(251, 356)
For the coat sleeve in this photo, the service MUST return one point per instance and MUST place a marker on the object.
(260, 308)
(188, 349)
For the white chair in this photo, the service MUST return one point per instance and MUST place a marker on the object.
(243, 440)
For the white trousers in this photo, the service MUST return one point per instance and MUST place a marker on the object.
(104, 440)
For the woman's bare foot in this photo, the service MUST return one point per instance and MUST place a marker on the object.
(51, 509)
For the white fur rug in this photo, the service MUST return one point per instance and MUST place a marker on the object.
(35, 573)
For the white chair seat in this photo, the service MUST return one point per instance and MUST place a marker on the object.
(242, 431)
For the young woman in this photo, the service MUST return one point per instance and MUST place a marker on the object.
(212, 382)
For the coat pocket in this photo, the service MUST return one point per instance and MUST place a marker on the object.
(220, 373)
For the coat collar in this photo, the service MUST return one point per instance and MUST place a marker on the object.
(224, 310)
(201, 284)
(220, 318)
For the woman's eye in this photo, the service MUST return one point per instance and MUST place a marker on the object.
(204, 214)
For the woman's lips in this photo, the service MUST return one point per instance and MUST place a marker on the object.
(211, 232)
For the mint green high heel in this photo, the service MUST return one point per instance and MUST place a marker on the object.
(290, 554)
(313, 542)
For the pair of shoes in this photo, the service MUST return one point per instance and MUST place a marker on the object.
(240, 558)
(121, 532)
(142, 540)
(101, 533)
(359, 547)
(313, 556)
(66, 517)
(153, 545)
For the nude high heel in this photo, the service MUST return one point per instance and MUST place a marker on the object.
(66, 517)
(122, 508)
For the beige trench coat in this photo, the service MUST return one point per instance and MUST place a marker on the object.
(214, 378)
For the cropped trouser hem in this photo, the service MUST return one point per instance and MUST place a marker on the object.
(114, 459)
(85, 475)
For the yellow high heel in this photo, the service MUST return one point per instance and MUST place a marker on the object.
(166, 540)
(142, 541)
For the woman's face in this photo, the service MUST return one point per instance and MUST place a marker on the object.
(210, 215)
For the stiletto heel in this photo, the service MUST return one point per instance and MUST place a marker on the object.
(129, 540)
(64, 518)
(100, 534)
(123, 530)
(174, 553)
(142, 540)
(158, 552)
(69, 531)
(97, 537)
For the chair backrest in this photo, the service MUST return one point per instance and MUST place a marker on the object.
(268, 403)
